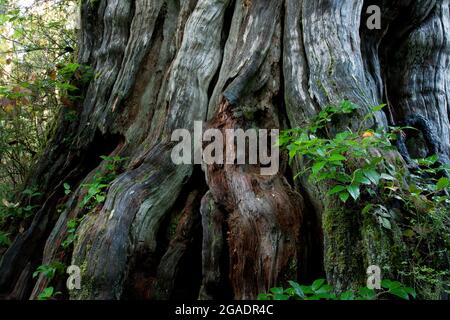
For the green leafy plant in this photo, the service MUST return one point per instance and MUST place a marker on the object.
(320, 290)
(428, 279)
(113, 163)
(95, 195)
(67, 189)
(38, 76)
(50, 270)
(426, 226)
(72, 226)
(48, 294)
(4, 239)
(19, 210)
(345, 161)
(351, 164)
(96, 190)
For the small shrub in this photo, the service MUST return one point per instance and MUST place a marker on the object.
(96, 190)
(4, 239)
(50, 270)
(48, 294)
(72, 226)
(344, 161)
(320, 290)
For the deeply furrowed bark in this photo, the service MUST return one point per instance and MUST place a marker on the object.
(168, 231)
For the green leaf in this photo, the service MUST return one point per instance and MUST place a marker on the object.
(321, 152)
(367, 294)
(411, 292)
(46, 270)
(343, 178)
(386, 283)
(325, 289)
(387, 177)
(399, 292)
(297, 289)
(264, 296)
(68, 241)
(442, 184)
(317, 284)
(348, 295)
(4, 239)
(318, 166)
(367, 208)
(307, 289)
(290, 292)
(385, 223)
(71, 67)
(336, 189)
(59, 267)
(292, 152)
(46, 293)
(396, 284)
(409, 233)
(100, 198)
(344, 196)
(372, 175)
(326, 296)
(337, 157)
(72, 224)
(389, 284)
(278, 296)
(277, 290)
(378, 108)
(347, 107)
(353, 190)
(428, 161)
(360, 179)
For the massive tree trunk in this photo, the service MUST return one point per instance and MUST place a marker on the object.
(174, 231)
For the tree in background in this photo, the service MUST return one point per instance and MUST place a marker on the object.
(37, 45)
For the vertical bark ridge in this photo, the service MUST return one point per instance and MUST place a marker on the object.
(263, 212)
(418, 69)
(155, 183)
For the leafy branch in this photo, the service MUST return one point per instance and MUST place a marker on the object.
(320, 290)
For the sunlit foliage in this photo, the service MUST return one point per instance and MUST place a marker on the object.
(37, 42)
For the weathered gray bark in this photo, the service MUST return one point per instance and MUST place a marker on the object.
(163, 64)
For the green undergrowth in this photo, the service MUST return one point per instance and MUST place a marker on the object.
(377, 211)
(321, 290)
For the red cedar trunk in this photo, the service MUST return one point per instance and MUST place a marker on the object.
(168, 231)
